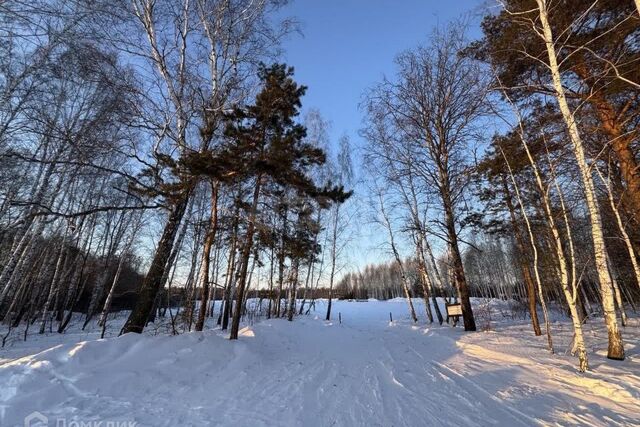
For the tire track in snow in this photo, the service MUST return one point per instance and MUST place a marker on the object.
(513, 415)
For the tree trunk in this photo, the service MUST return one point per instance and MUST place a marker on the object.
(271, 261)
(396, 255)
(524, 265)
(623, 231)
(53, 285)
(292, 295)
(458, 269)
(112, 290)
(561, 259)
(621, 144)
(223, 320)
(307, 281)
(616, 346)
(281, 256)
(618, 296)
(425, 281)
(206, 252)
(153, 280)
(244, 260)
(334, 242)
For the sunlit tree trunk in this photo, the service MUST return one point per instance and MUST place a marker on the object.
(616, 346)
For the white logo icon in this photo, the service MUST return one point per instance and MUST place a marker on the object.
(35, 419)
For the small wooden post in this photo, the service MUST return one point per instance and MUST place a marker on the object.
(390, 318)
(340, 317)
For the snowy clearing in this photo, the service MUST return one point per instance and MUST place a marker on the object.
(365, 371)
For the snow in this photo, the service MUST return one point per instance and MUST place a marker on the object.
(364, 371)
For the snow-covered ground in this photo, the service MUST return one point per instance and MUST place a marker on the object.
(365, 371)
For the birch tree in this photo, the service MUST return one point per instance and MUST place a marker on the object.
(343, 174)
(433, 105)
(616, 347)
(386, 221)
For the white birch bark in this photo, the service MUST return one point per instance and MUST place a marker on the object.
(616, 346)
(570, 292)
(396, 255)
(536, 270)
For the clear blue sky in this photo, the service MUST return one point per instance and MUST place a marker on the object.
(349, 45)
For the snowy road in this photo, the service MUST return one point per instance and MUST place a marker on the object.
(364, 371)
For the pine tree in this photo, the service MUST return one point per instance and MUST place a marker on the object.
(266, 140)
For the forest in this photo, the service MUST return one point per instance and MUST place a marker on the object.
(158, 164)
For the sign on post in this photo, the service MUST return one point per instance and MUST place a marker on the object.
(454, 311)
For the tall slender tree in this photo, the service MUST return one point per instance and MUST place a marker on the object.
(433, 107)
